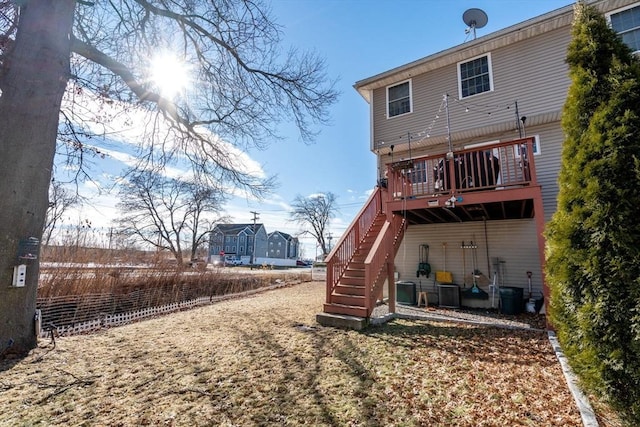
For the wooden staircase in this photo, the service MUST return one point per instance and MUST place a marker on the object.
(348, 297)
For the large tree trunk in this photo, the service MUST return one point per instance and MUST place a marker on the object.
(33, 79)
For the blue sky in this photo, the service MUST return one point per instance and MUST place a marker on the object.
(358, 39)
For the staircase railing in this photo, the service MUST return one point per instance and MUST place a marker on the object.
(342, 253)
(382, 253)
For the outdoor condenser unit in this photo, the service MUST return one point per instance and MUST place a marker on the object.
(406, 293)
(449, 295)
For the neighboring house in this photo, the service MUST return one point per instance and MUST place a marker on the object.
(241, 240)
(468, 143)
(282, 245)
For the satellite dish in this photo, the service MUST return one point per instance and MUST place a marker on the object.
(474, 18)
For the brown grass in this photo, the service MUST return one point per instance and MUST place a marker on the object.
(262, 360)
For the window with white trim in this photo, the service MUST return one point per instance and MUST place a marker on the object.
(475, 76)
(399, 99)
(536, 147)
(626, 22)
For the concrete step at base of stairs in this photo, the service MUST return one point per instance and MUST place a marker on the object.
(342, 321)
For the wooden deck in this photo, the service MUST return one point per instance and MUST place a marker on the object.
(491, 182)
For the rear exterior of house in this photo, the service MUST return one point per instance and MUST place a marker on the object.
(468, 144)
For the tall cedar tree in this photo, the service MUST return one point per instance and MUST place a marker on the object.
(593, 239)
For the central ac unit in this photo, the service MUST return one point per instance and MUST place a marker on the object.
(449, 295)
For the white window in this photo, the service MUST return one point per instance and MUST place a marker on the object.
(399, 99)
(475, 76)
(626, 22)
(536, 146)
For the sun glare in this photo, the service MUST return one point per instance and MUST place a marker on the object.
(169, 74)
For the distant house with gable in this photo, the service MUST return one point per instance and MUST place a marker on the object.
(240, 240)
(282, 245)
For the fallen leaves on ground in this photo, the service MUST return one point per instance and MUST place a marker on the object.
(262, 360)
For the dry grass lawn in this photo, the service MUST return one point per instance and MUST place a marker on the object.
(262, 360)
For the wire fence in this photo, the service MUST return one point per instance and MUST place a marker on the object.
(77, 314)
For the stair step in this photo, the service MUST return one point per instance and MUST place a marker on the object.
(351, 300)
(349, 288)
(347, 310)
(352, 281)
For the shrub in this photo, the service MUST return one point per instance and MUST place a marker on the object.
(594, 237)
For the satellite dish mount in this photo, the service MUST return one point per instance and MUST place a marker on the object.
(474, 18)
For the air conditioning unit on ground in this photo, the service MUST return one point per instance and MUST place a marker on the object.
(449, 295)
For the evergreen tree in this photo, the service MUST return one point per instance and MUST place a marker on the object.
(593, 251)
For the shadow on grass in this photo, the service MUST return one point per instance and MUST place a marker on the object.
(299, 390)
(326, 376)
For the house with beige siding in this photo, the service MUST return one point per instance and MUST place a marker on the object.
(468, 143)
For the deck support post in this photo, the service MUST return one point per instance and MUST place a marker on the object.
(392, 286)
(538, 212)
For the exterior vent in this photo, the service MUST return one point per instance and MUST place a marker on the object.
(449, 295)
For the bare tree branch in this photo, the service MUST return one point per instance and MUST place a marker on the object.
(314, 213)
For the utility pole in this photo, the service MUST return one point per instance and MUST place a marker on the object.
(329, 237)
(253, 247)
(110, 236)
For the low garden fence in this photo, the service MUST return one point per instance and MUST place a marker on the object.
(78, 314)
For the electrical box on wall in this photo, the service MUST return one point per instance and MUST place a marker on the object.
(19, 275)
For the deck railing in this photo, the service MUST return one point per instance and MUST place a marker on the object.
(491, 166)
(342, 253)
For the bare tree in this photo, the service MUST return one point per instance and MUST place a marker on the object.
(61, 199)
(98, 54)
(167, 213)
(313, 213)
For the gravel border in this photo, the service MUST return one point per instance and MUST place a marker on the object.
(381, 315)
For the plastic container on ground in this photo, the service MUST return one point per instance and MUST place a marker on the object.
(511, 300)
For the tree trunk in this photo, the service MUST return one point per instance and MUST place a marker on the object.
(33, 79)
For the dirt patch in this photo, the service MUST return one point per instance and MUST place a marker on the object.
(263, 360)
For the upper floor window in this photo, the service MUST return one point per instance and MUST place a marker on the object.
(475, 76)
(399, 99)
(626, 22)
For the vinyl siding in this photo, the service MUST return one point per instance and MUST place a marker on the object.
(532, 72)
(548, 163)
(512, 241)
